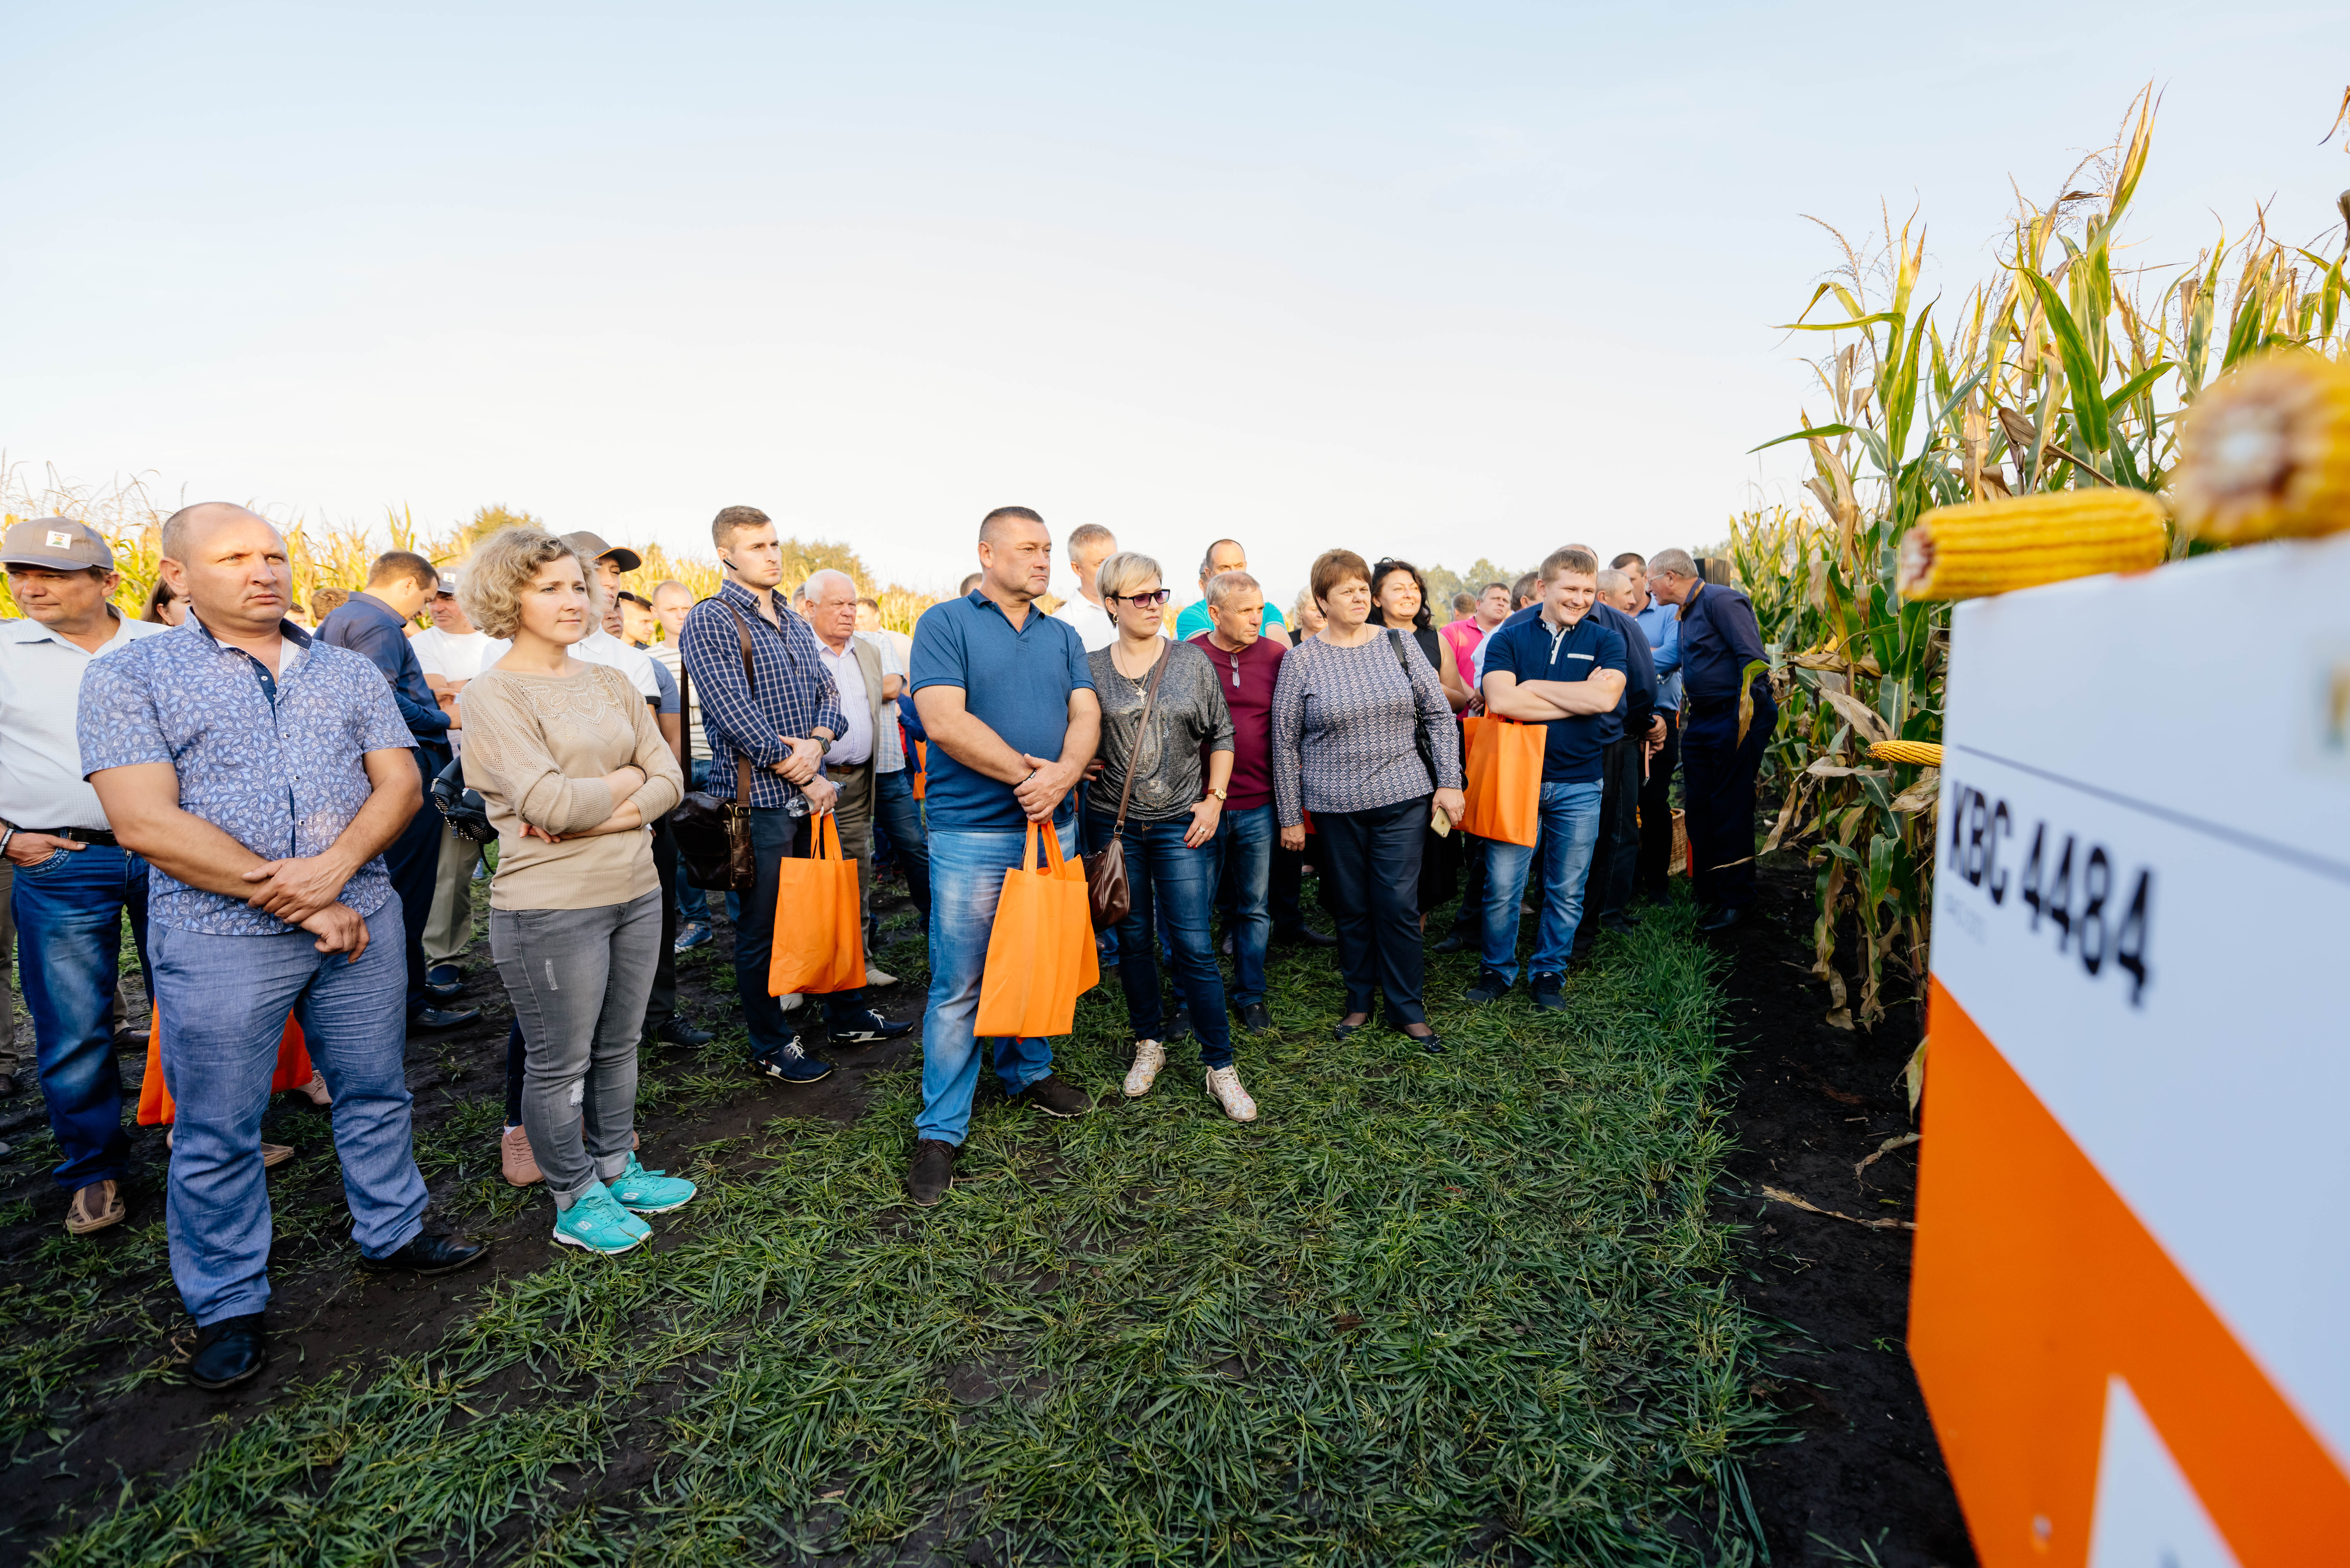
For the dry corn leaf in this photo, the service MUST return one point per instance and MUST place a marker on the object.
(1921, 796)
(1887, 1146)
(1859, 715)
(1809, 1208)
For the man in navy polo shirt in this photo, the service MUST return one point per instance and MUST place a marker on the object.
(1007, 698)
(1565, 669)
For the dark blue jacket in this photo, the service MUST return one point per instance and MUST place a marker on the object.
(1718, 638)
(370, 629)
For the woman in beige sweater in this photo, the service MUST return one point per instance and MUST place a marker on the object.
(566, 758)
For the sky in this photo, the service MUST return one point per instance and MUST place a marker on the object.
(1441, 281)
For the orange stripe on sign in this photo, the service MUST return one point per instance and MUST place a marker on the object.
(2032, 1282)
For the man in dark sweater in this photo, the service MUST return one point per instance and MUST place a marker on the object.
(1246, 663)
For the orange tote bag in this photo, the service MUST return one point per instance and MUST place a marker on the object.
(1040, 952)
(819, 921)
(155, 1106)
(1505, 769)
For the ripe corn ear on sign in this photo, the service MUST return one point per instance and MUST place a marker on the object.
(2131, 1280)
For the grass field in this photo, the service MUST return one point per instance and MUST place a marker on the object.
(1457, 1308)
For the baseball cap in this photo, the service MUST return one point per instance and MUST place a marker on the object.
(59, 544)
(448, 580)
(594, 548)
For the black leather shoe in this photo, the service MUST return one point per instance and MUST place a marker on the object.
(1622, 920)
(1550, 992)
(442, 1018)
(1457, 941)
(229, 1352)
(445, 993)
(680, 1032)
(444, 974)
(1489, 987)
(1305, 936)
(1256, 1019)
(932, 1172)
(1056, 1097)
(866, 1028)
(430, 1254)
(1722, 919)
(8, 1084)
(1432, 1043)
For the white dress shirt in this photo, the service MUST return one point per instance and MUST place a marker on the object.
(1096, 627)
(41, 784)
(856, 706)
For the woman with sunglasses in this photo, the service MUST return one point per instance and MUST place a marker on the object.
(1154, 773)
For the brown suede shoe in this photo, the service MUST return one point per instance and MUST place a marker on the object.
(316, 1089)
(94, 1208)
(515, 1160)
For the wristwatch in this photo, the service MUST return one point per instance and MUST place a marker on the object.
(1217, 793)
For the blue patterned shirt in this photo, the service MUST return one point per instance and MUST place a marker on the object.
(796, 693)
(274, 762)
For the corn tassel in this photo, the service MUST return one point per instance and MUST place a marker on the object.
(1924, 753)
(1991, 547)
(2266, 453)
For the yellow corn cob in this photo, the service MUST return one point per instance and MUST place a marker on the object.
(1990, 546)
(2266, 451)
(1924, 753)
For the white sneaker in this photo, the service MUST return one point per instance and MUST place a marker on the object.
(1224, 1084)
(878, 976)
(791, 1000)
(1149, 1055)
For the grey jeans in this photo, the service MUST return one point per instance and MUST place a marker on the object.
(579, 980)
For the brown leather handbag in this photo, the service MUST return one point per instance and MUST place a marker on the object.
(1107, 891)
(713, 836)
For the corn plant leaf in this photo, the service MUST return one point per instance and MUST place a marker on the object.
(2135, 385)
(1806, 434)
(1921, 796)
(2088, 401)
(1746, 694)
(1858, 714)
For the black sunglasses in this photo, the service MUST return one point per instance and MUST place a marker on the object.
(1154, 598)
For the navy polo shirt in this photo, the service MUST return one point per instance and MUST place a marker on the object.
(1015, 682)
(1719, 639)
(1532, 650)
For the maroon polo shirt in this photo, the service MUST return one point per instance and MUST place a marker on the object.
(1246, 680)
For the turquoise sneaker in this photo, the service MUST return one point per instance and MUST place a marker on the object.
(642, 1191)
(598, 1224)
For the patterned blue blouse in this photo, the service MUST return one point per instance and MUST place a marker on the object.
(274, 762)
(1342, 728)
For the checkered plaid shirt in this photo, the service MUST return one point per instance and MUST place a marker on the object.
(795, 695)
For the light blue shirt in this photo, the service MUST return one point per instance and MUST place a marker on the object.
(1662, 623)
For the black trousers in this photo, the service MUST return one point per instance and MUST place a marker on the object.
(1718, 783)
(1608, 884)
(413, 862)
(1656, 864)
(661, 1005)
(1284, 887)
(1370, 861)
(1470, 918)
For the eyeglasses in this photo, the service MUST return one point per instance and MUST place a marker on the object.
(1150, 600)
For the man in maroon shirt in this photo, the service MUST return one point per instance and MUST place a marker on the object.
(1246, 662)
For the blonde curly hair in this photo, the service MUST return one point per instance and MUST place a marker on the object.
(501, 566)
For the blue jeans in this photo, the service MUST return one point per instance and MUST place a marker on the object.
(224, 1002)
(966, 878)
(68, 909)
(1569, 828)
(1247, 838)
(692, 903)
(896, 812)
(1174, 884)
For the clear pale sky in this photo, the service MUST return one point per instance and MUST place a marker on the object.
(1438, 280)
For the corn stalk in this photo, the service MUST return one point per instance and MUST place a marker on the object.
(2062, 372)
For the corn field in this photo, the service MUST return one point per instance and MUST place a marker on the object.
(338, 556)
(2064, 373)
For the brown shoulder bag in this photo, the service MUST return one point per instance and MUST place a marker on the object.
(713, 836)
(1106, 889)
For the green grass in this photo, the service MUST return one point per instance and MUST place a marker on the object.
(1446, 1308)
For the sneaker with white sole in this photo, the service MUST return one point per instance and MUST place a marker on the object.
(1224, 1088)
(597, 1223)
(1149, 1056)
(642, 1191)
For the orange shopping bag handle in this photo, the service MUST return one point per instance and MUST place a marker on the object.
(824, 839)
(1054, 860)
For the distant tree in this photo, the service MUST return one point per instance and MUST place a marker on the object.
(1442, 584)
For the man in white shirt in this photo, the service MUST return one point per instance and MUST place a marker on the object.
(830, 601)
(1089, 546)
(868, 624)
(72, 882)
(449, 651)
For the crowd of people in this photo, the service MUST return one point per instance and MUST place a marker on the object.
(255, 800)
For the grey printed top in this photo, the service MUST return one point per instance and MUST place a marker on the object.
(1187, 720)
(1342, 728)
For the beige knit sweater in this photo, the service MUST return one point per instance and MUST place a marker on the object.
(539, 748)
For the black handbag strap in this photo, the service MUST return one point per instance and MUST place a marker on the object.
(750, 684)
(1150, 696)
(1419, 730)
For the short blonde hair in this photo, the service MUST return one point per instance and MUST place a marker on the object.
(1125, 572)
(490, 590)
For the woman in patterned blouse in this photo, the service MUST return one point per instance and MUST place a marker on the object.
(1353, 713)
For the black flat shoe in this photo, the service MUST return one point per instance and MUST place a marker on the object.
(229, 1352)
(430, 1254)
(1432, 1043)
(678, 1031)
(1305, 936)
(438, 1018)
(1343, 1031)
(1256, 1019)
(1458, 940)
(1721, 921)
